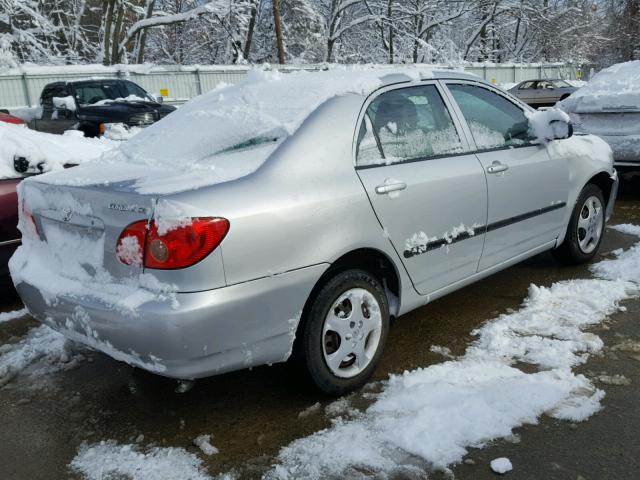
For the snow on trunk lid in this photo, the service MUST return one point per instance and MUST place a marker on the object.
(69, 243)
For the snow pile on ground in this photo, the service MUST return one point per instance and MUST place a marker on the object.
(501, 465)
(46, 152)
(203, 442)
(614, 88)
(41, 352)
(6, 316)
(627, 228)
(429, 417)
(229, 132)
(112, 460)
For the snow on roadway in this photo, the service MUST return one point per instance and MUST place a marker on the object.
(112, 460)
(423, 418)
(41, 352)
(429, 417)
(6, 316)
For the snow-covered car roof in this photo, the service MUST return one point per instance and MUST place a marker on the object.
(616, 88)
(265, 105)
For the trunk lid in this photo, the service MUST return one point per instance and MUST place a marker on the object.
(84, 223)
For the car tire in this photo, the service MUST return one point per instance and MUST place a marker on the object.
(585, 229)
(344, 332)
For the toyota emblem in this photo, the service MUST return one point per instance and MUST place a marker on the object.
(67, 213)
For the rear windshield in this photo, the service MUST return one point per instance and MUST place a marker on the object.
(100, 93)
(261, 111)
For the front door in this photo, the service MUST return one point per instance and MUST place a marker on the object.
(428, 192)
(528, 189)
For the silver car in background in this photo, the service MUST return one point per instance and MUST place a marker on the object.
(396, 189)
(542, 93)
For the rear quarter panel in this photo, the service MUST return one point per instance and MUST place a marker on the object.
(305, 206)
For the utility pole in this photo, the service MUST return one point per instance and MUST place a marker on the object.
(276, 21)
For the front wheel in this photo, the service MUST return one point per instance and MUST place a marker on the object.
(345, 331)
(586, 228)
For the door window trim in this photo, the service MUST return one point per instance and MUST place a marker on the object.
(474, 148)
(464, 140)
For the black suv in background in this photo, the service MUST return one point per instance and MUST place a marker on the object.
(87, 105)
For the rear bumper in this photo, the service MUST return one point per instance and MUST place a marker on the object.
(210, 332)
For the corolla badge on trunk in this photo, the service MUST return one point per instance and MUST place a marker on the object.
(121, 207)
(67, 213)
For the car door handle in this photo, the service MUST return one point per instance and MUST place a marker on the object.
(390, 187)
(497, 167)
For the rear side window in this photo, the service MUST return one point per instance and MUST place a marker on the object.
(494, 121)
(527, 85)
(405, 124)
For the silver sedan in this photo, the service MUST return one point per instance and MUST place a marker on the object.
(389, 190)
(542, 93)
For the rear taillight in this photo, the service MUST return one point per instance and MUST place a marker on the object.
(180, 247)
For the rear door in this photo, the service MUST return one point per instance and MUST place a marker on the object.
(429, 194)
(528, 190)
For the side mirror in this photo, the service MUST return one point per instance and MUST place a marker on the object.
(159, 99)
(550, 124)
(561, 129)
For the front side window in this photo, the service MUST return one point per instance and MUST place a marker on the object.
(527, 85)
(404, 124)
(494, 121)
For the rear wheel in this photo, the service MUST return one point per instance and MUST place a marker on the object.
(345, 331)
(585, 230)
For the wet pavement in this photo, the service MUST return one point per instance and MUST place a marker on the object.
(252, 414)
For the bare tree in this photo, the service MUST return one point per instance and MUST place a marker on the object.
(278, 27)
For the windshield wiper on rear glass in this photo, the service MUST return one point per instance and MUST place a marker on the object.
(252, 142)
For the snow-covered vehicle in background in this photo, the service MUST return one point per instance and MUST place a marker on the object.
(92, 106)
(301, 212)
(609, 106)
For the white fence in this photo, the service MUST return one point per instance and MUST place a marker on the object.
(22, 87)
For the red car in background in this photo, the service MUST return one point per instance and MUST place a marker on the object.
(5, 117)
(9, 234)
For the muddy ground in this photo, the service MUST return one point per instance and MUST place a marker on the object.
(252, 414)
